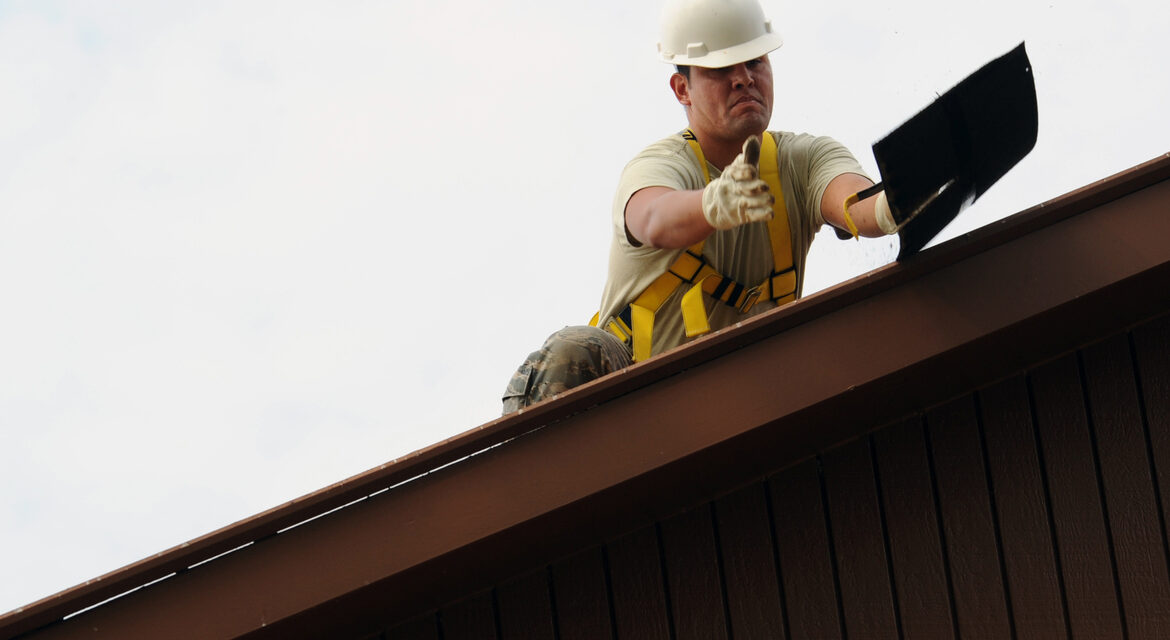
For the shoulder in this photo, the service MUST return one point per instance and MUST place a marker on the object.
(810, 155)
(669, 162)
(805, 143)
(670, 149)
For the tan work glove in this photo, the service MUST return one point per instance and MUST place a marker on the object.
(883, 216)
(738, 196)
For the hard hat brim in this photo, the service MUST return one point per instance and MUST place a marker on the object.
(749, 50)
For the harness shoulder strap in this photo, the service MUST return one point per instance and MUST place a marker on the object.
(781, 285)
(778, 229)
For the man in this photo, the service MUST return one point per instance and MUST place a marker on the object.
(695, 247)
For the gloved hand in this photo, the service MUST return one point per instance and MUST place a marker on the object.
(883, 215)
(738, 196)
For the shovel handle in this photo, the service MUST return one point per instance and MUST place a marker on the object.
(854, 199)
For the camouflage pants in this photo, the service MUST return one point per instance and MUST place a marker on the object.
(570, 357)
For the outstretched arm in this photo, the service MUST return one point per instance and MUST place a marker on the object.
(871, 220)
(668, 219)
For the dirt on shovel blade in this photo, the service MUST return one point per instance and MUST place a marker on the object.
(947, 156)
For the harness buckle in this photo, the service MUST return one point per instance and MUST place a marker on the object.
(750, 298)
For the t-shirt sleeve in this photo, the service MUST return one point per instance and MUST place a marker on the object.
(826, 159)
(654, 167)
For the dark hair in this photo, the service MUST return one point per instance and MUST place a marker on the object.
(684, 70)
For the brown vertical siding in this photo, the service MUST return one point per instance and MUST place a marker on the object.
(806, 554)
(1031, 508)
(867, 595)
(1078, 518)
(749, 565)
(582, 596)
(913, 531)
(1151, 345)
(525, 608)
(693, 576)
(1017, 482)
(639, 591)
(470, 619)
(1135, 521)
(424, 628)
(968, 521)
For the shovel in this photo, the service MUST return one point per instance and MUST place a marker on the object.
(948, 155)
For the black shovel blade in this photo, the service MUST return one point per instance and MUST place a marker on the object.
(948, 155)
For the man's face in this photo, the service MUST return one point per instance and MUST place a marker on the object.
(729, 103)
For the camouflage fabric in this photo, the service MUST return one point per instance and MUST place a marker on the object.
(570, 357)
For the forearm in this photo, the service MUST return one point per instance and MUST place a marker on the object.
(667, 219)
(862, 213)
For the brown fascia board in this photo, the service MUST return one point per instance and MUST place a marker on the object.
(641, 444)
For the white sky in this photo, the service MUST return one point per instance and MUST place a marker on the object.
(249, 249)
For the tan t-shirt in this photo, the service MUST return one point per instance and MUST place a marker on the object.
(807, 165)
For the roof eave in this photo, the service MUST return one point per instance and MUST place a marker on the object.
(603, 449)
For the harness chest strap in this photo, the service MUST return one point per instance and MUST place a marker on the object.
(636, 322)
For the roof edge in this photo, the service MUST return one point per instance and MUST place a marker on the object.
(272, 521)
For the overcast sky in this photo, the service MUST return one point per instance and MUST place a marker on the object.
(249, 249)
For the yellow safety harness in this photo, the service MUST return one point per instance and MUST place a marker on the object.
(636, 322)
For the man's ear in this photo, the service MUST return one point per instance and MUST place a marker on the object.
(681, 88)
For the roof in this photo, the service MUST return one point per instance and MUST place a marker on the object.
(639, 445)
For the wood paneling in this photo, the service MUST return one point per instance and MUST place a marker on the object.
(1032, 508)
(470, 619)
(916, 552)
(1078, 518)
(525, 608)
(749, 565)
(1152, 353)
(968, 523)
(639, 592)
(1029, 558)
(693, 576)
(421, 628)
(805, 551)
(859, 539)
(1135, 521)
(582, 597)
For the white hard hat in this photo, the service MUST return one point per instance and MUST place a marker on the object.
(715, 33)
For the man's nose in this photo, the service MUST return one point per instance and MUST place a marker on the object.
(741, 76)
